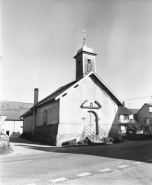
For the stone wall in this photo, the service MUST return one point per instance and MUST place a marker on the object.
(46, 134)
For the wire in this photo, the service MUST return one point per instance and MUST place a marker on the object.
(138, 98)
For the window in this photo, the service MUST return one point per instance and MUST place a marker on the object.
(123, 118)
(126, 117)
(45, 115)
(150, 121)
(150, 109)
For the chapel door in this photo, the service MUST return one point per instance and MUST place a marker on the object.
(90, 122)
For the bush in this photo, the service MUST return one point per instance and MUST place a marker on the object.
(5, 147)
(132, 128)
(70, 142)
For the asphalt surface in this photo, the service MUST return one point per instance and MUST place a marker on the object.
(53, 163)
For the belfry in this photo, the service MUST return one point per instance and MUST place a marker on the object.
(85, 61)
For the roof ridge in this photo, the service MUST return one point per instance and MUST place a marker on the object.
(14, 102)
(58, 90)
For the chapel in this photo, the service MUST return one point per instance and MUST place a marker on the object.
(85, 107)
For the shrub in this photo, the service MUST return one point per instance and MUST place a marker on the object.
(70, 142)
(5, 147)
(132, 127)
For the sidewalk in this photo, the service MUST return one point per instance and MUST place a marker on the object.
(25, 147)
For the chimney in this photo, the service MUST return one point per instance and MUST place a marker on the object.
(36, 94)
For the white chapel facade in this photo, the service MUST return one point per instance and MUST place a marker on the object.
(82, 107)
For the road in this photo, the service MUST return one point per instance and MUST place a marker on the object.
(78, 164)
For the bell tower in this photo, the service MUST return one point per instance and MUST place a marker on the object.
(85, 60)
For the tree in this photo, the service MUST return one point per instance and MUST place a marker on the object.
(132, 127)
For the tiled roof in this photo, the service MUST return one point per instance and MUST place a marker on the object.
(134, 111)
(52, 96)
(13, 110)
(123, 110)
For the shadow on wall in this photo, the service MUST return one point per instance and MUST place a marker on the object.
(46, 134)
(114, 130)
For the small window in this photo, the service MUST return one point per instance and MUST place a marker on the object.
(45, 115)
(64, 94)
(150, 109)
(76, 86)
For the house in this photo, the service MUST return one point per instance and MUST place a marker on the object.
(86, 107)
(144, 117)
(125, 117)
(10, 113)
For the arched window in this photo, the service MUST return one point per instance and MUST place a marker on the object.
(45, 115)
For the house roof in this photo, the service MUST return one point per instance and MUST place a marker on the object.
(134, 111)
(65, 89)
(148, 104)
(13, 110)
(49, 98)
(124, 110)
(53, 95)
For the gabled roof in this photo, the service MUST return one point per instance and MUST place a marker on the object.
(66, 88)
(99, 82)
(148, 104)
(13, 110)
(54, 94)
(49, 98)
(123, 110)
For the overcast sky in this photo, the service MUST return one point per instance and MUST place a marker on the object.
(39, 39)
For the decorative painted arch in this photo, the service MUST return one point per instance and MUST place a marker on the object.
(91, 105)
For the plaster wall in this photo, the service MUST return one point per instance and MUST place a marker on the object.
(53, 113)
(73, 118)
(28, 124)
(12, 126)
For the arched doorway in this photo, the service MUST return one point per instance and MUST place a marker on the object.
(92, 122)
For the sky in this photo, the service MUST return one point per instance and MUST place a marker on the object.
(39, 39)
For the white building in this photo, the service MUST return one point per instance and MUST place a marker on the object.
(85, 107)
(10, 113)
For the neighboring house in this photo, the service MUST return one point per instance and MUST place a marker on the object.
(144, 117)
(134, 111)
(10, 113)
(125, 117)
(86, 107)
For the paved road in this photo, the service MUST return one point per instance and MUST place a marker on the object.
(74, 163)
